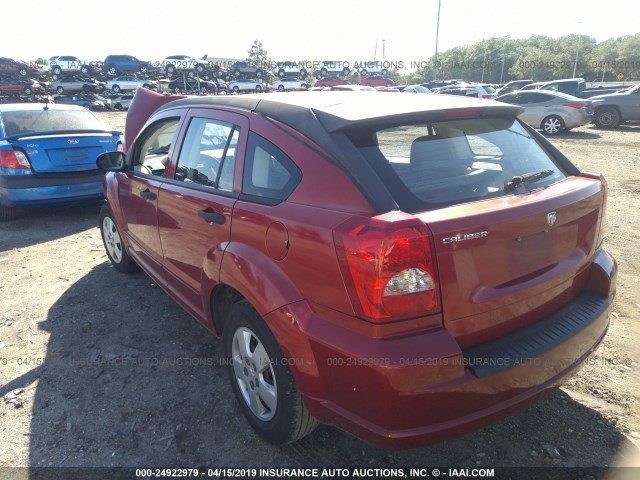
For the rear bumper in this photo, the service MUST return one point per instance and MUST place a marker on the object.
(409, 390)
(37, 190)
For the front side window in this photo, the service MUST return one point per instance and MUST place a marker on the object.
(151, 156)
(445, 163)
(208, 154)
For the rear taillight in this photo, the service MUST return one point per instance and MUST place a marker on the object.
(389, 266)
(120, 147)
(486, 97)
(603, 211)
(575, 105)
(14, 159)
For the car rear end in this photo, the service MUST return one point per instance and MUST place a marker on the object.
(48, 154)
(482, 291)
(576, 111)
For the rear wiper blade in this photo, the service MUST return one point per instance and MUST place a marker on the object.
(524, 179)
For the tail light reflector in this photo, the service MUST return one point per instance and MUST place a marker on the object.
(389, 266)
(575, 105)
(14, 159)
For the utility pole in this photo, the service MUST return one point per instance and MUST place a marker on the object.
(435, 65)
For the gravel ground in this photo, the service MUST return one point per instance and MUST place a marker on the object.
(103, 369)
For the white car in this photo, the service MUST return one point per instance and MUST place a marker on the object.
(176, 63)
(238, 86)
(290, 84)
(373, 67)
(333, 67)
(68, 63)
(121, 102)
(290, 69)
(129, 82)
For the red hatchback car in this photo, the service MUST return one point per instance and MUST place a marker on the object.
(407, 269)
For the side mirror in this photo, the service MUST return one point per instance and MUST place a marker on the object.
(110, 161)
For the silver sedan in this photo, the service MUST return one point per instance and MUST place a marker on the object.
(551, 112)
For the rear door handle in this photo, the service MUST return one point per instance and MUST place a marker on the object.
(212, 217)
(148, 195)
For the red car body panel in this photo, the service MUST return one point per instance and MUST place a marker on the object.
(397, 383)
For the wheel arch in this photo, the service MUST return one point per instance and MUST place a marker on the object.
(246, 273)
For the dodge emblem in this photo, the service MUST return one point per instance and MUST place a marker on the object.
(551, 219)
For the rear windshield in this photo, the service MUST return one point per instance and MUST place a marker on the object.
(27, 121)
(438, 164)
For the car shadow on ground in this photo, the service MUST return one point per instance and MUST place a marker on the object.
(129, 379)
(576, 135)
(39, 225)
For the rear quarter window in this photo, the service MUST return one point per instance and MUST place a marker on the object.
(438, 164)
(269, 174)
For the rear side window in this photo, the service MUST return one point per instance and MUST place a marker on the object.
(439, 164)
(208, 154)
(269, 173)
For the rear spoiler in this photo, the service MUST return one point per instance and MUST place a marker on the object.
(144, 103)
(48, 133)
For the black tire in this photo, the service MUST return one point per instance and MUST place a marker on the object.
(118, 106)
(384, 71)
(552, 125)
(115, 88)
(323, 72)
(60, 90)
(85, 70)
(237, 73)
(363, 72)
(200, 68)
(112, 70)
(23, 72)
(607, 117)
(112, 241)
(170, 69)
(303, 73)
(56, 70)
(263, 374)
(259, 74)
(7, 213)
(28, 91)
(258, 89)
(86, 88)
(345, 71)
(281, 73)
(236, 89)
(281, 88)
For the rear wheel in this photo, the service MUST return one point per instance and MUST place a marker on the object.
(60, 90)
(118, 106)
(115, 88)
(7, 213)
(552, 125)
(28, 91)
(607, 117)
(261, 380)
(85, 70)
(281, 88)
(113, 244)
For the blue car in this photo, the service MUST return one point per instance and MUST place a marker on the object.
(48, 155)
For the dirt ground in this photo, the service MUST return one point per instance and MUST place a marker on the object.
(98, 368)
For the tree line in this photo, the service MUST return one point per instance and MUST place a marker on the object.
(501, 59)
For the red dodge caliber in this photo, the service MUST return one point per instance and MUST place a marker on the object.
(407, 268)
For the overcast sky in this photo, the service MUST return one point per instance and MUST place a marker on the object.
(344, 30)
